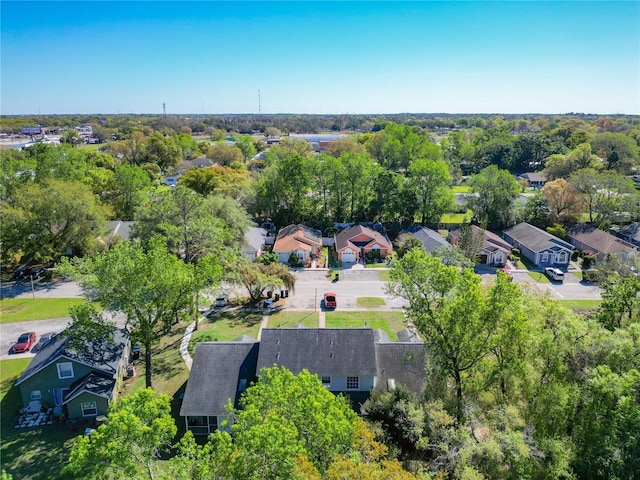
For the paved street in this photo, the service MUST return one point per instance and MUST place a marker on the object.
(57, 289)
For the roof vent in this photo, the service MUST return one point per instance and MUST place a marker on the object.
(391, 384)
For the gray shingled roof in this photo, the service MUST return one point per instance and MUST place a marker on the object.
(404, 363)
(598, 239)
(323, 351)
(215, 375)
(254, 239)
(92, 383)
(430, 239)
(102, 355)
(535, 239)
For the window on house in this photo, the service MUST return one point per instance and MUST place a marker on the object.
(65, 370)
(353, 383)
(562, 257)
(89, 409)
(36, 395)
(326, 381)
(545, 258)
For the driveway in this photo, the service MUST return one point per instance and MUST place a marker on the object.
(571, 289)
(41, 289)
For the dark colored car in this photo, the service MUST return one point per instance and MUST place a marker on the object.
(330, 300)
(45, 340)
(24, 342)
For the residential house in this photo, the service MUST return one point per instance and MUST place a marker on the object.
(494, 251)
(539, 247)
(80, 382)
(588, 238)
(630, 233)
(430, 239)
(359, 241)
(353, 362)
(302, 241)
(534, 179)
(254, 242)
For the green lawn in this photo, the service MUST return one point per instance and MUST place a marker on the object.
(370, 302)
(377, 265)
(286, 318)
(539, 277)
(383, 275)
(92, 146)
(28, 454)
(227, 326)
(577, 273)
(390, 322)
(24, 309)
(580, 304)
(461, 189)
(456, 217)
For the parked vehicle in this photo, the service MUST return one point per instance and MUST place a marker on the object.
(554, 273)
(24, 343)
(330, 300)
(222, 300)
(44, 341)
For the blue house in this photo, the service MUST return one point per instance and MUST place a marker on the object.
(539, 247)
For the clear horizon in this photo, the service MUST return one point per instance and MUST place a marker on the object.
(374, 58)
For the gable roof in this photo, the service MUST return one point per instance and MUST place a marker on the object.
(297, 237)
(344, 237)
(535, 239)
(101, 355)
(215, 376)
(599, 240)
(94, 384)
(254, 239)
(491, 242)
(631, 232)
(401, 363)
(430, 239)
(323, 351)
(534, 176)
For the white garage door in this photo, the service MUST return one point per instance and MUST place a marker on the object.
(348, 257)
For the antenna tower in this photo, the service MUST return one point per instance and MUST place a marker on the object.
(164, 110)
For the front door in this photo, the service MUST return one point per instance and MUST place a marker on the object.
(59, 394)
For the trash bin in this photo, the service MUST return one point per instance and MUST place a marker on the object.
(276, 297)
(135, 352)
(337, 277)
(269, 293)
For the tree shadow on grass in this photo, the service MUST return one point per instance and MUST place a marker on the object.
(37, 453)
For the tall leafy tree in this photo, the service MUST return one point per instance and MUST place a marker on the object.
(152, 287)
(138, 429)
(46, 221)
(496, 192)
(564, 202)
(163, 151)
(130, 184)
(430, 181)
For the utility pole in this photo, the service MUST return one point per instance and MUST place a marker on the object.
(164, 109)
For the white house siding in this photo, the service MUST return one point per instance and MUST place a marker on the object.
(339, 384)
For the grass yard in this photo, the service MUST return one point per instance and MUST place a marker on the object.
(377, 265)
(390, 322)
(93, 147)
(577, 273)
(286, 318)
(461, 189)
(28, 454)
(539, 277)
(581, 304)
(25, 309)
(456, 218)
(227, 326)
(383, 275)
(370, 302)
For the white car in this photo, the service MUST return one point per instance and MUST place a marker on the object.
(554, 273)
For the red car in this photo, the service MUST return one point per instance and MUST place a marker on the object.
(24, 342)
(330, 300)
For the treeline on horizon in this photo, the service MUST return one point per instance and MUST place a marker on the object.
(316, 123)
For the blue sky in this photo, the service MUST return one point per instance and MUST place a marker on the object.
(320, 57)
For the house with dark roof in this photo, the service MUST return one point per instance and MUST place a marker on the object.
(539, 247)
(357, 241)
(630, 233)
(300, 240)
(430, 239)
(494, 251)
(80, 382)
(534, 179)
(254, 242)
(588, 238)
(353, 362)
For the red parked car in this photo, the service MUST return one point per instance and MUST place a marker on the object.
(24, 342)
(330, 300)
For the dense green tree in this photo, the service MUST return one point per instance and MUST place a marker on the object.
(430, 181)
(564, 202)
(192, 225)
(358, 173)
(246, 145)
(619, 151)
(72, 137)
(530, 151)
(163, 151)
(496, 192)
(138, 429)
(48, 220)
(289, 147)
(562, 166)
(397, 146)
(230, 181)
(257, 277)
(609, 196)
(130, 185)
(620, 301)
(152, 287)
